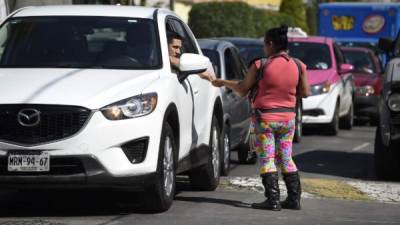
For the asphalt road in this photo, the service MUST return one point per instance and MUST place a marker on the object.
(346, 156)
(349, 155)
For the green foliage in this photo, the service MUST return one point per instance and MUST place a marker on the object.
(296, 9)
(218, 19)
(312, 19)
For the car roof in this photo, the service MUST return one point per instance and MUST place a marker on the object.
(213, 44)
(357, 49)
(88, 10)
(312, 39)
(242, 40)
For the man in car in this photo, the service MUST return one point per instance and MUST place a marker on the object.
(175, 42)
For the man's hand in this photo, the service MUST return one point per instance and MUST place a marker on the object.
(217, 83)
(206, 76)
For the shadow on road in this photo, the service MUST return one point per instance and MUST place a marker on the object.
(335, 163)
(214, 200)
(69, 203)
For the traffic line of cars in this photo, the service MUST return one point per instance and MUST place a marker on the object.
(88, 99)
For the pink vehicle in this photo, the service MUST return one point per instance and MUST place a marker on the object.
(331, 81)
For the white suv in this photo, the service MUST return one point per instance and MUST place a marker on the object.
(88, 99)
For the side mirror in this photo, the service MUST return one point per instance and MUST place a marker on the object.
(346, 68)
(386, 44)
(190, 63)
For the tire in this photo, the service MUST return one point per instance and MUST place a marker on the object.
(333, 126)
(225, 153)
(160, 196)
(299, 123)
(347, 121)
(206, 177)
(385, 162)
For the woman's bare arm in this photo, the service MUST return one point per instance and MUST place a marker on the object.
(240, 87)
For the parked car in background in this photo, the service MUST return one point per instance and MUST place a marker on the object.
(367, 76)
(331, 83)
(229, 65)
(252, 49)
(87, 102)
(249, 48)
(387, 138)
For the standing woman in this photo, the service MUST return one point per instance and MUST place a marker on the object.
(274, 117)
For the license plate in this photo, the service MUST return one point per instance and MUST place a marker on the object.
(28, 161)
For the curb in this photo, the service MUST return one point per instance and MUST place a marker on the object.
(325, 188)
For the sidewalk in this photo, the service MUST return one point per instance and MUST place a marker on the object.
(326, 188)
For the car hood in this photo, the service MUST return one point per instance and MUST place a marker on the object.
(362, 79)
(90, 88)
(321, 76)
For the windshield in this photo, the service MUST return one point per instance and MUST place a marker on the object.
(315, 55)
(79, 42)
(361, 61)
(251, 52)
(214, 58)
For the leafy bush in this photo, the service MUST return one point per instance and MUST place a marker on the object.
(219, 19)
(295, 8)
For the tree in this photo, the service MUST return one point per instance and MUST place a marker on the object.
(297, 10)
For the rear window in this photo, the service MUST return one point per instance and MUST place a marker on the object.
(251, 52)
(361, 61)
(315, 55)
(214, 58)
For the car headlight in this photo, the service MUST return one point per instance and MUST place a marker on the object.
(136, 106)
(365, 90)
(318, 89)
(394, 102)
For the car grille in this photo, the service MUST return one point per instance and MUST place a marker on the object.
(56, 122)
(395, 118)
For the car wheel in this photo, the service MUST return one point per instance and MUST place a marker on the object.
(206, 177)
(333, 126)
(385, 162)
(226, 153)
(347, 122)
(298, 133)
(160, 196)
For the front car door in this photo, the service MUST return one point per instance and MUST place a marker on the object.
(346, 94)
(201, 93)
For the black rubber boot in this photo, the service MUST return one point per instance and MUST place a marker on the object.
(292, 181)
(270, 182)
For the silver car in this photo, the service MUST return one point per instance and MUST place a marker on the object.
(229, 65)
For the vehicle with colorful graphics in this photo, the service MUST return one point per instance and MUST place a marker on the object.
(331, 83)
(359, 24)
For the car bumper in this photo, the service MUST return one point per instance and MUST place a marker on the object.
(99, 147)
(366, 106)
(319, 109)
(83, 172)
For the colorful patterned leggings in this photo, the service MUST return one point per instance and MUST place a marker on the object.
(273, 144)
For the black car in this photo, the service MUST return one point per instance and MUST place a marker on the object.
(251, 49)
(387, 139)
(229, 65)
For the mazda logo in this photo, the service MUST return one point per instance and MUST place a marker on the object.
(28, 117)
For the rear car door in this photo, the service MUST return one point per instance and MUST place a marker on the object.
(239, 107)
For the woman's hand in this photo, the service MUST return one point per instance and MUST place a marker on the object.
(217, 83)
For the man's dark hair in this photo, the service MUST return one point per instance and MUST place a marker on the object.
(173, 35)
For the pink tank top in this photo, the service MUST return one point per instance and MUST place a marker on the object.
(277, 89)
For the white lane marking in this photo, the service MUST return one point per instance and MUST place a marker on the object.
(359, 147)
